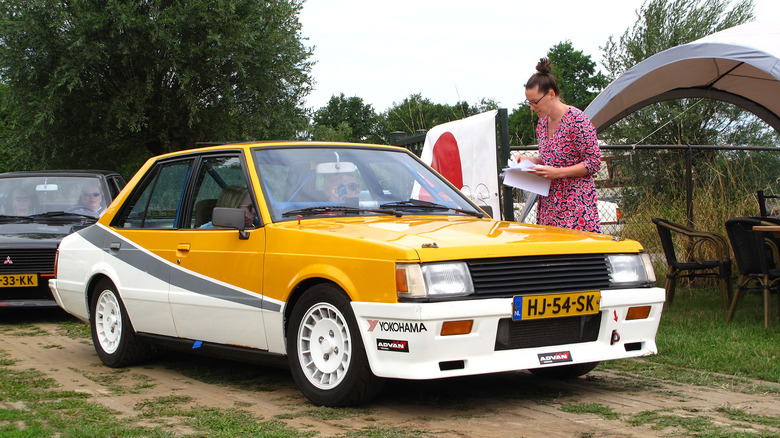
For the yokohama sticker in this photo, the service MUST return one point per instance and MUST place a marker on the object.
(391, 345)
(561, 356)
(396, 327)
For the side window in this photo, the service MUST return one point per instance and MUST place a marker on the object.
(114, 186)
(220, 182)
(156, 203)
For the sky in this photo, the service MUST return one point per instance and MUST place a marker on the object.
(453, 50)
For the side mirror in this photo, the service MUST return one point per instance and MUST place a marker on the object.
(230, 218)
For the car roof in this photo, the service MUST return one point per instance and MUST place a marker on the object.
(206, 147)
(74, 172)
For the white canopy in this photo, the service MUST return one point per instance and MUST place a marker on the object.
(738, 65)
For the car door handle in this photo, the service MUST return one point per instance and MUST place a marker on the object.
(114, 246)
(183, 248)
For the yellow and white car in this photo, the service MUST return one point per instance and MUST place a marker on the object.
(354, 263)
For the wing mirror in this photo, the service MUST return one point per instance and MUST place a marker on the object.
(230, 218)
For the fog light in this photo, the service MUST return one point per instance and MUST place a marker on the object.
(449, 328)
(638, 312)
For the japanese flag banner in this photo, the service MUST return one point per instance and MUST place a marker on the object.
(464, 152)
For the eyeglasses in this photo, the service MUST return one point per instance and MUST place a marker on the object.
(530, 102)
(21, 199)
(249, 207)
(94, 195)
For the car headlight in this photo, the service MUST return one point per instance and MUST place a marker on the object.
(433, 280)
(630, 269)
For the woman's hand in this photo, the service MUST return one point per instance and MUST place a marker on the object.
(546, 172)
(520, 158)
(549, 172)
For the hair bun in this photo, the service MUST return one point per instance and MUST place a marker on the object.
(544, 67)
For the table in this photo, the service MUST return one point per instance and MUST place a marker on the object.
(775, 228)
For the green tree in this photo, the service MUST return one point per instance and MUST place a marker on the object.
(416, 112)
(109, 83)
(659, 174)
(579, 83)
(5, 125)
(345, 119)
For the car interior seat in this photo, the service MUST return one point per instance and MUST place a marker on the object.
(203, 211)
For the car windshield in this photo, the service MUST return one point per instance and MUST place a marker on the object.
(45, 195)
(312, 181)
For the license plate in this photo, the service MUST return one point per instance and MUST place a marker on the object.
(555, 305)
(19, 280)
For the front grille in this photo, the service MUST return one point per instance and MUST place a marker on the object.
(24, 261)
(504, 277)
(514, 335)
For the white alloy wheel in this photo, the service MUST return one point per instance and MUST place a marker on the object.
(108, 321)
(324, 346)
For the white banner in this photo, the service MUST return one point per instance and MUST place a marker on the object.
(464, 152)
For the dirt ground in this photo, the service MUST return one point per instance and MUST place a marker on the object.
(508, 404)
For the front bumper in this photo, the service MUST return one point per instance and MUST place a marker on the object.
(403, 340)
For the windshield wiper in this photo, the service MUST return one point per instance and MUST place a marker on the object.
(417, 203)
(325, 209)
(7, 217)
(62, 213)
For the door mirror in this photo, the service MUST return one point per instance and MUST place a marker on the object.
(230, 218)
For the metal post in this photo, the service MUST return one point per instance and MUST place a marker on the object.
(689, 185)
(507, 203)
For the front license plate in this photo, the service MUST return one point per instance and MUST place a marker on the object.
(19, 280)
(556, 305)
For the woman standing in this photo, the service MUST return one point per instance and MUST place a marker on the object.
(569, 155)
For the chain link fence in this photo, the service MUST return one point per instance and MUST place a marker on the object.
(697, 186)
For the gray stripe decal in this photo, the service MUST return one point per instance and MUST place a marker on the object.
(131, 254)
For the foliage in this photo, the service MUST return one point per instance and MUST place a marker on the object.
(345, 119)
(107, 84)
(416, 112)
(663, 24)
(576, 73)
(579, 83)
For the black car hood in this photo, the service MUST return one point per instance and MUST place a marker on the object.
(36, 234)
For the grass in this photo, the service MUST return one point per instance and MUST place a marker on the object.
(31, 405)
(696, 347)
(694, 335)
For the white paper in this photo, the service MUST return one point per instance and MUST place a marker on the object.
(520, 175)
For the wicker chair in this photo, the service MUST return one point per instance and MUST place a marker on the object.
(768, 205)
(696, 264)
(754, 262)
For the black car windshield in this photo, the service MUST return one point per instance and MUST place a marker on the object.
(311, 181)
(43, 196)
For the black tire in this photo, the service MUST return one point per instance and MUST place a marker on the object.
(325, 350)
(564, 372)
(112, 333)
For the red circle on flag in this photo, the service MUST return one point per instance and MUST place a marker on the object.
(446, 159)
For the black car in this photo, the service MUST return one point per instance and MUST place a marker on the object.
(37, 209)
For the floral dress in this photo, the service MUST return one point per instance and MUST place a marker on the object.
(572, 202)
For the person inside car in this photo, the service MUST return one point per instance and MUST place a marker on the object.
(236, 197)
(24, 202)
(342, 187)
(90, 201)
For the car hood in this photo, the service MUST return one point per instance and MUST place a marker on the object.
(34, 234)
(442, 238)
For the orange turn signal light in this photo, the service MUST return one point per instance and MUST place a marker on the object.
(449, 328)
(641, 312)
(400, 281)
